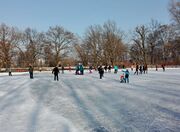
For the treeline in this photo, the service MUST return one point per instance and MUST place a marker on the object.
(153, 43)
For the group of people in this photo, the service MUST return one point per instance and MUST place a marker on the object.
(141, 69)
(124, 78)
(79, 69)
(163, 67)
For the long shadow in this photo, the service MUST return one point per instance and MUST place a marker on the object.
(41, 91)
(92, 122)
(120, 119)
(175, 115)
(12, 97)
(157, 90)
(124, 112)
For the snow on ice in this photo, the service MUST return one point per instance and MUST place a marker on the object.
(84, 103)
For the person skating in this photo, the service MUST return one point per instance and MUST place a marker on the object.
(77, 70)
(90, 69)
(137, 68)
(10, 72)
(140, 69)
(115, 69)
(156, 67)
(143, 69)
(127, 76)
(105, 68)
(55, 71)
(31, 72)
(101, 71)
(163, 67)
(81, 68)
(109, 68)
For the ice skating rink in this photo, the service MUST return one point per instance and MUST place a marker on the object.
(84, 103)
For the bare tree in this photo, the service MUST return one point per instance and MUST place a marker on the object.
(174, 9)
(140, 36)
(102, 44)
(8, 40)
(92, 44)
(60, 41)
(112, 43)
(34, 45)
(153, 40)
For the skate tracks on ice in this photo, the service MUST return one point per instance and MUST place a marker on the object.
(84, 103)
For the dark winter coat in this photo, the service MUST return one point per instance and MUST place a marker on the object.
(30, 69)
(101, 70)
(55, 71)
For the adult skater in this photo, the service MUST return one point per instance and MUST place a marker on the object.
(163, 67)
(146, 68)
(156, 67)
(115, 69)
(90, 69)
(10, 72)
(31, 71)
(109, 68)
(140, 69)
(81, 68)
(55, 71)
(137, 68)
(105, 68)
(127, 76)
(101, 71)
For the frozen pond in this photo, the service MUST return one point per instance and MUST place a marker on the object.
(84, 103)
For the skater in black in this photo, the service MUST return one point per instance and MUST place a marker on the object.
(101, 71)
(163, 67)
(137, 68)
(105, 68)
(31, 72)
(156, 67)
(146, 68)
(55, 71)
(109, 68)
(140, 69)
(90, 69)
(10, 72)
(143, 68)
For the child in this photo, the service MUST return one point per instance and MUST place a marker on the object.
(122, 79)
(126, 76)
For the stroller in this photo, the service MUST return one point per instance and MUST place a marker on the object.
(122, 79)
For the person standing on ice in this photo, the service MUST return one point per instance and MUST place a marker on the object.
(31, 71)
(127, 76)
(163, 67)
(90, 69)
(81, 68)
(10, 72)
(115, 69)
(140, 69)
(55, 71)
(105, 68)
(156, 67)
(109, 68)
(101, 71)
(137, 68)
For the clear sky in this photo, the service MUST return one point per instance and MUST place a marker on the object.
(77, 15)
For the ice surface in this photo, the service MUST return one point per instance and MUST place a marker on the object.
(85, 103)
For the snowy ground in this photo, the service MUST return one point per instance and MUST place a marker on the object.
(149, 103)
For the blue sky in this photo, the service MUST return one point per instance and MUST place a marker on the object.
(77, 15)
